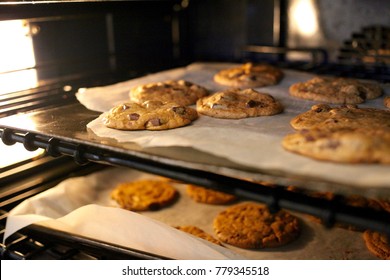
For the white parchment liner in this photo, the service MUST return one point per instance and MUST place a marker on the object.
(82, 206)
(252, 142)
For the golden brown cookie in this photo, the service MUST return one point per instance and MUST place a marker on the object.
(199, 233)
(386, 101)
(144, 195)
(209, 196)
(378, 244)
(251, 226)
(342, 116)
(249, 75)
(336, 90)
(150, 115)
(237, 104)
(346, 145)
(180, 92)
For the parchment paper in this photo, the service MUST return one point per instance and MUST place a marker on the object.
(251, 142)
(83, 206)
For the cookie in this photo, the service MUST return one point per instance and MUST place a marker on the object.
(180, 92)
(343, 116)
(209, 196)
(249, 75)
(386, 101)
(150, 115)
(344, 145)
(199, 233)
(144, 195)
(238, 104)
(336, 90)
(377, 243)
(251, 226)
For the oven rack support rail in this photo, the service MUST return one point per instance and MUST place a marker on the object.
(329, 211)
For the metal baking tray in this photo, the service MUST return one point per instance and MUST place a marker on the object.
(63, 130)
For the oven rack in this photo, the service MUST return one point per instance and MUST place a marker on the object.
(329, 211)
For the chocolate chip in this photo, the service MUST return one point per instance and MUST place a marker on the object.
(252, 104)
(309, 138)
(333, 144)
(133, 116)
(155, 122)
(179, 110)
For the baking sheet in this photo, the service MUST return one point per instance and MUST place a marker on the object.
(83, 206)
(252, 142)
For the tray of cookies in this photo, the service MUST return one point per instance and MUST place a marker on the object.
(245, 128)
(176, 220)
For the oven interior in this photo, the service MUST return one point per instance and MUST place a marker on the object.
(85, 44)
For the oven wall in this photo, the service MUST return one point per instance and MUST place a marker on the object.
(220, 28)
(123, 39)
(137, 37)
(335, 21)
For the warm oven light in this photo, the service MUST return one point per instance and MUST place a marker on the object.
(16, 153)
(304, 17)
(17, 60)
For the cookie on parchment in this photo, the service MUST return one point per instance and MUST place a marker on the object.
(336, 90)
(377, 243)
(209, 196)
(180, 92)
(150, 115)
(386, 101)
(251, 226)
(249, 75)
(144, 195)
(342, 116)
(199, 233)
(344, 145)
(237, 104)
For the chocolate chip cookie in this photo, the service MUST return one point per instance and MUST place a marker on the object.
(343, 116)
(336, 90)
(251, 226)
(180, 92)
(249, 75)
(144, 195)
(346, 145)
(150, 115)
(209, 196)
(199, 233)
(237, 104)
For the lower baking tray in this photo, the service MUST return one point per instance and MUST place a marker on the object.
(73, 196)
